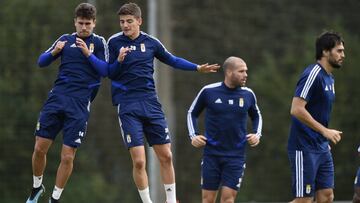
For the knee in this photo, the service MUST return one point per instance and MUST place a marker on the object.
(227, 197)
(228, 200)
(165, 158)
(67, 158)
(208, 199)
(39, 151)
(139, 164)
(328, 197)
(356, 198)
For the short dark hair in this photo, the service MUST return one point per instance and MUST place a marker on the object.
(326, 41)
(130, 9)
(85, 10)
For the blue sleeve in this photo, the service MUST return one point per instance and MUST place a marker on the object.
(194, 111)
(255, 116)
(46, 59)
(166, 57)
(100, 66)
(114, 65)
(114, 69)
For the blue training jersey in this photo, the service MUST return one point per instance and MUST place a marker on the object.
(133, 78)
(77, 77)
(316, 86)
(226, 115)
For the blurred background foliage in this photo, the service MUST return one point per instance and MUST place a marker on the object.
(275, 38)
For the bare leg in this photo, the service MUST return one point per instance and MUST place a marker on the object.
(209, 196)
(228, 195)
(41, 148)
(303, 200)
(66, 166)
(139, 167)
(324, 196)
(356, 198)
(163, 152)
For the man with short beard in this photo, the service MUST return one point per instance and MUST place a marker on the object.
(309, 153)
(227, 104)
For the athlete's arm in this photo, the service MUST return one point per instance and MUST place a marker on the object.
(299, 111)
(48, 57)
(180, 63)
(100, 66)
(194, 111)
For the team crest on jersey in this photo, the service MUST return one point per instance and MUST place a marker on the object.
(91, 47)
(241, 102)
(128, 138)
(142, 47)
(308, 189)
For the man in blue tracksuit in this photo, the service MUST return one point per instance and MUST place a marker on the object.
(83, 61)
(132, 53)
(228, 105)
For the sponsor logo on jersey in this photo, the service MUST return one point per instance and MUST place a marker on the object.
(128, 138)
(91, 47)
(81, 134)
(142, 47)
(132, 48)
(218, 101)
(308, 189)
(231, 102)
(241, 102)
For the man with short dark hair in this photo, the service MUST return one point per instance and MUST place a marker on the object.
(309, 153)
(132, 53)
(83, 55)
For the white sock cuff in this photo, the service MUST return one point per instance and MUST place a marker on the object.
(170, 192)
(57, 192)
(169, 185)
(144, 190)
(37, 181)
(145, 195)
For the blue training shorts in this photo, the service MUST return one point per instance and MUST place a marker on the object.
(61, 112)
(357, 178)
(219, 171)
(310, 172)
(143, 118)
